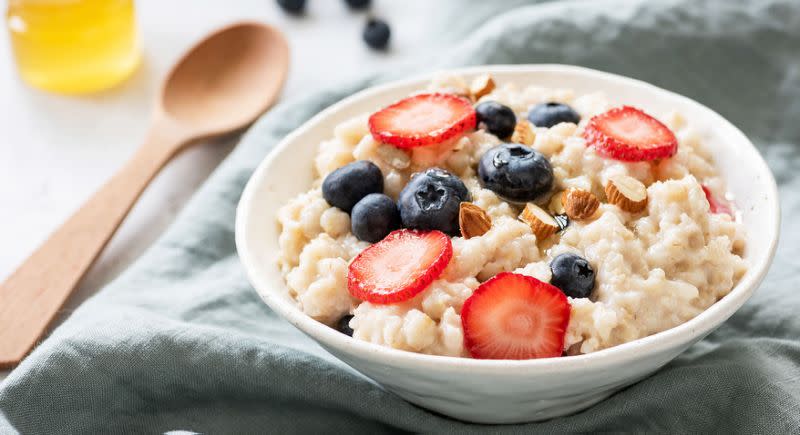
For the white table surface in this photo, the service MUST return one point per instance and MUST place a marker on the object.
(56, 150)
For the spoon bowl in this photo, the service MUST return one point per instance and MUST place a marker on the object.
(226, 80)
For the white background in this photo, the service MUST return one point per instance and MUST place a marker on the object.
(56, 150)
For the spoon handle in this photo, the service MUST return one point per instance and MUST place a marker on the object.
(33, 294)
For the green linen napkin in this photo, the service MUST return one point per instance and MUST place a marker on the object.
(182, 342)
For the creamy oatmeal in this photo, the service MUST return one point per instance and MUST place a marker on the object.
(653, 269)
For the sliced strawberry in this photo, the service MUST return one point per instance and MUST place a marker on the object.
(717, 206)
(399, 267)
(423, 119)
(514, 316)
(627, 133)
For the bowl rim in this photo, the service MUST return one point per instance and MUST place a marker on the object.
(693, 329)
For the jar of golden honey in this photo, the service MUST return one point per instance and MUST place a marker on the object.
(73, 46)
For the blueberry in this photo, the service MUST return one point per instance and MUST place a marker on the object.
(343, 325)
(562, 220)
(550, 114)
(375, 216)
(358, 4)
(344, 187)
(498, 119)
(515, 172)
(430, 201)
(573, 275)
(292, 6)
(376, 34)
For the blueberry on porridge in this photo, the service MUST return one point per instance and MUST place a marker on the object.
(550, 114)
(496, 118)
(343, 325)
(374, 217)
(432, 201)
(515, 172)
(346, 186)
(489, 220)
(573, 275)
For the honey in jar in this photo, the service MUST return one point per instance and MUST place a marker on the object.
(73, 46)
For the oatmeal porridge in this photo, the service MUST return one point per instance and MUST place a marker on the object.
(510, 222)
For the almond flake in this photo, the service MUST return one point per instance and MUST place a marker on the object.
(523, 133)
(481, 86)
(627, 193)
(579, 204)
(473, 220)
(542, 224)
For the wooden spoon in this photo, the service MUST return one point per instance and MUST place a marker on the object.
(221, 85)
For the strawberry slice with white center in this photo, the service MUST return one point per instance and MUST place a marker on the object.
(423, 119)
(399, 267)
(627, 133)
(513, 316)
(717, 206)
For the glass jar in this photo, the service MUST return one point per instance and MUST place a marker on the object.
(73, 46)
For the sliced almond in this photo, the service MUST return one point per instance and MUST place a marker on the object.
(626, 193)
(556, 205)
(579, 204)
(481, 86)
(523, 133)
(473, 220)
(542, 224)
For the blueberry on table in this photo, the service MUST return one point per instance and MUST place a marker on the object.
(573, 275)
(374, 217)
(431, 201)
(358, 4)
(376, 34)
(550, 114)
(343, 325)
(515, 172)
(499, 120)
(344, 187)
(295, 7)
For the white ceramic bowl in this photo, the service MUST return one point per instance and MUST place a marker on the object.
(488, 391)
